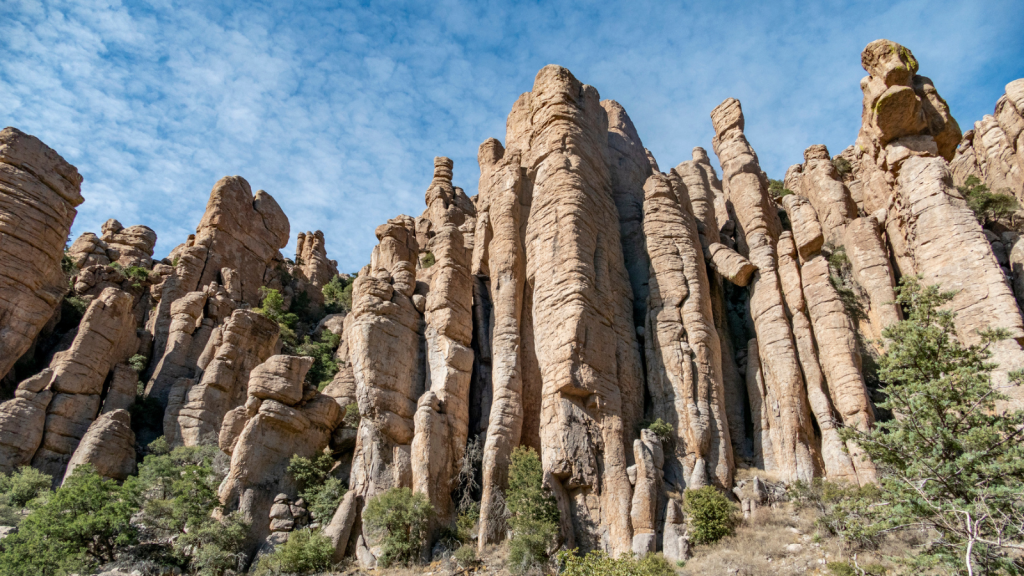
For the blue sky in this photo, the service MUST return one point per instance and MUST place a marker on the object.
(337, 109)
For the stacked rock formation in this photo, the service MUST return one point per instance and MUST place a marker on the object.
(38, 195)
(581, 294)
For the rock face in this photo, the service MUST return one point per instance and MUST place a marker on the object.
(994, 150)
(580, 295)
(108, 445)
(105, 338)
(195, 410)
(789, 425)
(280, 418)
(39, 191)
(683, 347)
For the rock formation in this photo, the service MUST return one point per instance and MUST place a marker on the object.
(580, 298)
(39, 191)
(280, 418)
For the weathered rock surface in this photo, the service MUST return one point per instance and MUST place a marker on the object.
(273, 432)
(108, 445)
(312, 267)
(994, 150)
(195, 410)
(106, 337)
(684, 353)
(789, 421)
(39, 191)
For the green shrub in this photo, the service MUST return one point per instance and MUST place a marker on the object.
(272, 307)
(138, 274)
(75, 529)
(321, 491)
(987, 206)
(709, 513)
(23, 485)
(533, 515)
(211, 547)
(398, 520)
(176, 490)
(338, 295)
(351, 415)
(843, 510)
(322, 351)
(138, 363)
(777, 189)
(427, 260)
(661, 429)
(598, 563)
(305, 552)
(842, 166)
(466, 555)
(465, 522)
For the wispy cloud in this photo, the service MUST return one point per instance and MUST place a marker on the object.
(338, 110)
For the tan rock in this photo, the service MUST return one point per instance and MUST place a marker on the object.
(268, 440)
(38, 195)
(836, 462)
(122, 390)
(277, 378)
(131, 246)
(817, 181)
(628, 168)
(649, 457)
(106, 337)
(684, 364)
(790, 426)
(501, 189)
(88, 250)
(869, 257)
(246, 340)
(22, 421)
(108, 445)
(806, 229)
(581, 301)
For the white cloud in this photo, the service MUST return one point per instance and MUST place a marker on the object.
(339, 111)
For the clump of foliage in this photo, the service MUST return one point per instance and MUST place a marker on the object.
(427, 260)
(709, 513)
(272, 307)
(352, 417)
(987, 206)
(176, 491)
(321, 491)
(138, 363)
(338, 295)
(777, 189)
(74, 529)
(18, 489)
(842, 509)
(398, 520)
(661, 429)
(137, 274)
(322, 351)
(842, 166)
(305, 552)
(599, 563)
(533, 515)
(212, 547)
(465, 555)
(953, 461)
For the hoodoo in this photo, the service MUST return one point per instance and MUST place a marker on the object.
(643, 332)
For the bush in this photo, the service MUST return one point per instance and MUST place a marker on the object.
(17, 490)
(176, 490)
(74, 529)
(305, 552)
(843, 510)
(338, 295)
(987, 206)
(661, 429)
(533, 515)
(398, 520)
(598, 563)
(351, 418)
(138, 363)
(709, 513)
(465, 555)
(211, 546)
(777, 189)
(321, 491)
(138, 274)
(322, 351)
(842, 166)
(427, 260)
(272, 307)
